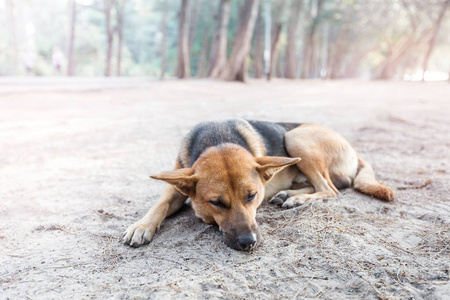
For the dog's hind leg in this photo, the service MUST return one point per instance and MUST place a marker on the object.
(142, 231)
(322, 188)
(319, 148)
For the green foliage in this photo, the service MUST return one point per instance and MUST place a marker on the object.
(377, 27)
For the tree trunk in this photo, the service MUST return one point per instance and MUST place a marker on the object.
(278, 67)
(398, 51)
(237, 64)
(291, 52)
(164, 39)
(109, 35)
(385, 71)
(71, 45)
(351, 69)
(120, 8)
(308, 57)
(325, 50)
(274, 48)
(183, 68)
(434, 34)
(193, 20)
(258, 48)
(337, 57)
(218, 56)
(12, 35)
(202, 61)
(267, 27)
(275, 43)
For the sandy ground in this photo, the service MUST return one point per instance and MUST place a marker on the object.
(75, 156)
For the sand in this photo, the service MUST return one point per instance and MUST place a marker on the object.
(75, 156)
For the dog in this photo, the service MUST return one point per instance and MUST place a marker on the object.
(229, 168)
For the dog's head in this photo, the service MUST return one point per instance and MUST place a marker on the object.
(226, 186)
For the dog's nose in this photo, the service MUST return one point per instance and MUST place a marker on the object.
(246, 241)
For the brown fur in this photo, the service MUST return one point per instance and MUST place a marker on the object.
(222, 181)
(328, 160)
(366, 183)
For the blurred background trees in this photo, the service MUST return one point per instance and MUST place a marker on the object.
(227, 39)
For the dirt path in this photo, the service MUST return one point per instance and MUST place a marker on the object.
(75, 156)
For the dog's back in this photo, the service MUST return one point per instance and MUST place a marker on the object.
(260, 138)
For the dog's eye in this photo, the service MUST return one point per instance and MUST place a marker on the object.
(217, 203)
(251, 197)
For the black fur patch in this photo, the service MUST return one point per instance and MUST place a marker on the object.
(272, 135)
(289, 126)
(212, 134)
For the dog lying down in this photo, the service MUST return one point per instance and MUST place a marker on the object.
(229, 168)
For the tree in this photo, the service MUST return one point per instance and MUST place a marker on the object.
(202, 64)
(237, 63)
(193, 21)
(183, 67)
(258, 48)
(12, 33)
(380, 39)
(276, 31)
(432, 42)
(71, 45)
(308, 56)
(107, 6)
(267, 25)
(164, 39)
(400, 43)
(291, 47)
(120, 15)
(218, 55)
(337, 53)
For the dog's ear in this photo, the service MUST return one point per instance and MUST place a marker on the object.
(182, 179)
(270, 165)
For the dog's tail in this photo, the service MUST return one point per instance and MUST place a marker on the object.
(366, 183)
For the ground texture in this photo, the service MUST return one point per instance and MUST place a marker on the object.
(75, 156)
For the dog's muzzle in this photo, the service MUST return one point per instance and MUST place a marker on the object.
(246, 242)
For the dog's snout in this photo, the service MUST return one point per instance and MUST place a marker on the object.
(246, 241)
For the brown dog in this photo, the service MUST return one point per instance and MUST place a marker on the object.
(228, 169)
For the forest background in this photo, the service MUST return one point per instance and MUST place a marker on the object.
(227, 39)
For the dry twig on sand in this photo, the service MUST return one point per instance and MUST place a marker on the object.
(415, 187)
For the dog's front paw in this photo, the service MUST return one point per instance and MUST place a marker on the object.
(138, 234)
(294, 201)
(279, 198)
